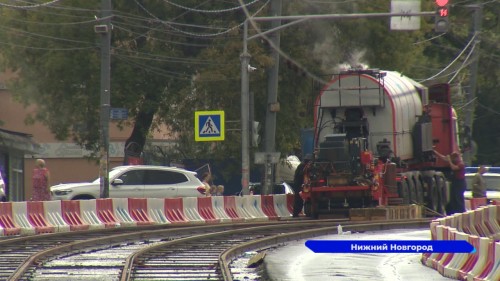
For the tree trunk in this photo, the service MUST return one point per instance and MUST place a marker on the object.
(134, 146)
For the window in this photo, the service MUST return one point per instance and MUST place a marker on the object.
(279, 189)
(164, 177)
(135, 177)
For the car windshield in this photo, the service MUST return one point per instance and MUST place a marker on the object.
(492, 182)
(112, 174)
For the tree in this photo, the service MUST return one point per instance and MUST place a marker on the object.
(169, 60)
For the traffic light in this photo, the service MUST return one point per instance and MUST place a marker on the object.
(441, 20)
(255, 133)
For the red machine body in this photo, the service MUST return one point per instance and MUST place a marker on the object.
(374, 136)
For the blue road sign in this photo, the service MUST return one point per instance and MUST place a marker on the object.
(209, 125)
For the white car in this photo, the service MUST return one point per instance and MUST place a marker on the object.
(278, 188)
(136, 181)
(492, 181)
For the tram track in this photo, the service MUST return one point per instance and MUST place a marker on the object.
(201, 252)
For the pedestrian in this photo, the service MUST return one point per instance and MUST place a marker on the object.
(220, 190)
(478, 183)
(41, 179)
(456, 203)
(298, 180)
(206, 178)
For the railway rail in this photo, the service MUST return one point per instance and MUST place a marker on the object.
(198, 252)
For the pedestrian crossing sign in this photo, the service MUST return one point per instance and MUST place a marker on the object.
(209, 125)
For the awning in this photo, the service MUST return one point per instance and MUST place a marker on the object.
(18, 141)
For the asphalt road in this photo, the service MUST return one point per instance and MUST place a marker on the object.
(297, 263)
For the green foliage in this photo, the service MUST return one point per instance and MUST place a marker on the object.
(169, 61)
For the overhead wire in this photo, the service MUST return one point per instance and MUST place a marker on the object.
(203, 34)
(163, 58)
(453, 61)
(211, 11)
(279, 50)
(464, 63)
(488, 108)
(30, 6)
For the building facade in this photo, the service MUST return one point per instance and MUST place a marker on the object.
(22, 144)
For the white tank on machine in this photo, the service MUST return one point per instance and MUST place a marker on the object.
(382, 106)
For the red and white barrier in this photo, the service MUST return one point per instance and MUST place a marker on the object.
(474, 203)
(88, 213)
(267, 207)
(191, 210)
(491, 270)
(281, 206)
(53, 215)
(174, 210)
(436, 234)
(478, 260)
(253, 205)
(120, 208)
(205, 209)
(156, 210)
(105, 213)
(30, 217)
(219, 209)
(241, 209)
(437, 259)
(289, 202)
(446, 258)
(457, 261)
(481, 224)
(467, 223)
(479, 219)
(70, 210)
(231, 209)
(138, 210)
(7, 220)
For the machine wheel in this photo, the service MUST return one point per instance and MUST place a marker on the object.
(412, 188)
(404, 191)
(433, 202)
(419, 189)
(442, 198)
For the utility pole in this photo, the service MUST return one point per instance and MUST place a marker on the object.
(245, 114)
(272, 98)
(104, 30)
(471, 93)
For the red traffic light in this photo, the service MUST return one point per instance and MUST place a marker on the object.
(442, 3)
(443, 12)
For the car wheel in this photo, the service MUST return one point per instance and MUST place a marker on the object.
(83, 197)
